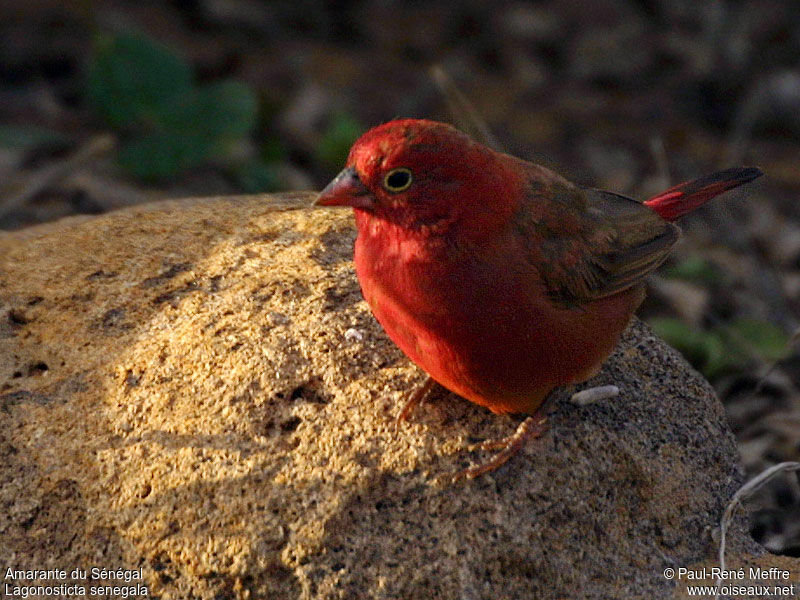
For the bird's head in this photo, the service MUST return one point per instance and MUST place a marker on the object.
(418, 173)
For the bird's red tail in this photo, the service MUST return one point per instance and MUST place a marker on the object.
(685, 197)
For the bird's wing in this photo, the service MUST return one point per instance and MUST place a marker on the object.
(589, 244)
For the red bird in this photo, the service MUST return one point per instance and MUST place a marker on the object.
(498, 277)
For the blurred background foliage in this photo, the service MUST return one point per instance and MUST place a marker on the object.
(106, 104)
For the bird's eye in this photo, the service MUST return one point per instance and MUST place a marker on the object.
(398, 180)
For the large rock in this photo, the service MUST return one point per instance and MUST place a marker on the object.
(197, 389)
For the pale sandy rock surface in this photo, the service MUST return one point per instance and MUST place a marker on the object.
(197, 389)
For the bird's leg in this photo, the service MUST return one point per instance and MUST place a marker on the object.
(415, 397)
(594, 394)
(530, 428)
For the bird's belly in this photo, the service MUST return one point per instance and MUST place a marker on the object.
(500, 345)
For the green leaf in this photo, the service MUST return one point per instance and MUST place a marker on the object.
(27, 137)
(696, 269)
(132, 77)
(724, 348)
(135, 81)
(688, 341)
(161, 155)
(257, 176)
(150, 157)
(195, 128)
(719, 358)
(215, 114)
(759, 338)
(336, 141)
(273, 150)
(705, 350)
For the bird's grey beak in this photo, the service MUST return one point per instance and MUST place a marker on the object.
(346, 190)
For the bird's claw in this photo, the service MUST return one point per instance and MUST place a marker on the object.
(415, 398)
(530, 428)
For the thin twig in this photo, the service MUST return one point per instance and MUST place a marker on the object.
(662, 162)
(745, 491)
(464, 112)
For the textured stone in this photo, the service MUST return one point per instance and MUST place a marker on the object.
(197, 389)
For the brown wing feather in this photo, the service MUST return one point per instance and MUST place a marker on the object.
(589, 244)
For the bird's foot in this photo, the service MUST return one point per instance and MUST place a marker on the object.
(416, 397)
(530, 428)
(594, 394)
